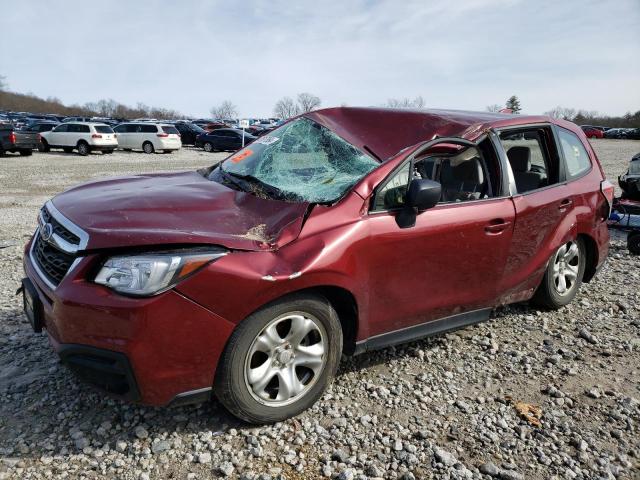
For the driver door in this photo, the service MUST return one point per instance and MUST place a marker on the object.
(448, 263)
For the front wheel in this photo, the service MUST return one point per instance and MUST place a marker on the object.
(563, 277)
(279, 360)
(147, 147)
(208, 147)
(43, 146)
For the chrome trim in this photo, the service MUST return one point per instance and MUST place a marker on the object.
(69, 225)
(56, 240)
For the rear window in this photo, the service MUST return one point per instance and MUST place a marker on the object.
(103, 129)
(170, 130)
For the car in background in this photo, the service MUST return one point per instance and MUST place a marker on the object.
(188, 132)
(227, 139)
(633, 134)
(40, 126)
(148, 137)
(616, 133)
(84, 137)
(76, 119)
(592, 132)
(14, 140)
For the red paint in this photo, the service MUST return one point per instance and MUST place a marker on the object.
(455, 259)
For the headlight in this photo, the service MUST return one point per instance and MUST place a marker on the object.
(152, 273)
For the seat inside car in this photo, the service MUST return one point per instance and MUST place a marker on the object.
(464, 181)
(520, 160)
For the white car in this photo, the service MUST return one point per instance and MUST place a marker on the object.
(148, 137)
(85, 137)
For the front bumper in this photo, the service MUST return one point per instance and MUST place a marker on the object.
(155, 351)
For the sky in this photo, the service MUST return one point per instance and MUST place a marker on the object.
(190, 55)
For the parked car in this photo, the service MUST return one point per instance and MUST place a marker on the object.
(77, 119)
(211, 126)
(81, 136)
(188, 132)
(616, 133)
(343, 231)
(228, 139)
(148, 137)
(633, 134)
(592, 132)
(40, 127)
(14, 140)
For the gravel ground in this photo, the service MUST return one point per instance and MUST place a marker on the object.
(463, 405)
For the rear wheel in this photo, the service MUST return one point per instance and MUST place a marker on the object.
(83, 148)
(633, 242)
(147, 147)
(208, 147)
(279, 360)
(563, 277)
(26, 153)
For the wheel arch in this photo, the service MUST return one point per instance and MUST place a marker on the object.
(591, 250)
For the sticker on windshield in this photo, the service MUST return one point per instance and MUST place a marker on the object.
(266, 140)
(238, 157)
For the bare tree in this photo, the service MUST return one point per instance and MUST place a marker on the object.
(308, 102)
(494, 108)
(285, 108)
(417, 102)
(562, 112)
(226, 110)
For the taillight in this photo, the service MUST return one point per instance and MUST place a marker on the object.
(162, 135)
(608, 190)
(12, 137)
(96, 135)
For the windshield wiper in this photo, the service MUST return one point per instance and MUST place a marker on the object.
(265, 188)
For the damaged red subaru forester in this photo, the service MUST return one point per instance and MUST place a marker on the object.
(342, 231)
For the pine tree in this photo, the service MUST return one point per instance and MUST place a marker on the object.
(514, 104)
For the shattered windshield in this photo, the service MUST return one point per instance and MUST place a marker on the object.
(301, 161)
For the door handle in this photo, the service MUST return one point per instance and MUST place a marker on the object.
(566, 203)
(496, 226)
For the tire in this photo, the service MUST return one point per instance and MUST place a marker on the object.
(147, 147)
(26, 153)
(633, 242)
(83, 149)
(566, 268)
(263, 400)
(44, 146)
(67, 149)
(208, 147)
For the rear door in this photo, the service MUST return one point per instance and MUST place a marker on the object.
(451, 261)
(543, 203)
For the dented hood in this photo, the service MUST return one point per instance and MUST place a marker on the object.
(178, 208)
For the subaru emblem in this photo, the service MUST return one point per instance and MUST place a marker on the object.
(47, 232)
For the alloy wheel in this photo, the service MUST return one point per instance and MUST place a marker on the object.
(566, 266)
(286, 359)
(208, 147)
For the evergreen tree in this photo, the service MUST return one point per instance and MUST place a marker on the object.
(514, 104)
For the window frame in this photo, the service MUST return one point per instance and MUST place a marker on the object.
(505, 159)
(568, 177)
(502, 188)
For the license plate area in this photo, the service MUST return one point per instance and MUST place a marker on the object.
(32, 305)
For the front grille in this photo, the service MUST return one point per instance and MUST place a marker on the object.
(52, 259)
(52, 262)
(59, 229)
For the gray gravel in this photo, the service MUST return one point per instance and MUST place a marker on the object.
(439, 408)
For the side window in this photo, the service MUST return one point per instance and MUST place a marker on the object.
(119, 128)
(533, 159)
(148, 129)
(84, 129)
(61, 128)
(391, 194)
(575, 156)
(72, 128)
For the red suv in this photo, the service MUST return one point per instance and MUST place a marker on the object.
(342, 231)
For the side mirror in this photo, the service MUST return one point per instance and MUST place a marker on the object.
(423, 194)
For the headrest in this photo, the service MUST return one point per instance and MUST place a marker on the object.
(519, 158)
(469, 171)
